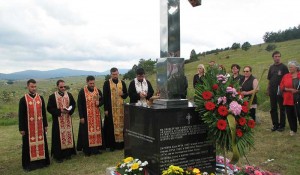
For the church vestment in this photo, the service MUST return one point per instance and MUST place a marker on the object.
(90, 139)
(136, 87)
(114, 121)
(63, 143)
(33, 120)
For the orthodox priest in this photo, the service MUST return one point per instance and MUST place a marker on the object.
(33, 128)
(90, 129)
(140, 88)
(114, 93)
(61, 106)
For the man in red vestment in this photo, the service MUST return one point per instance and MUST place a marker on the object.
(33, 128)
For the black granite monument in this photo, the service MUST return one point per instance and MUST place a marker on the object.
(171, 131)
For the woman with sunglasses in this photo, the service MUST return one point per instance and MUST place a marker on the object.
(249, 87)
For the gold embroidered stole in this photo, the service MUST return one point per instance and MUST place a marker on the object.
(35, 127)
(117, 109)
(64, 122)
(93, 117)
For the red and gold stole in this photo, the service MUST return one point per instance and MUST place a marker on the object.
(93, 117)
(35, 127)
(117, 109)
(65, 122)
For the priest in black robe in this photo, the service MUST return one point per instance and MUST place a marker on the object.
(114, 93)
(84, 142)
(33, 158)
(140, 88)
(61, 105)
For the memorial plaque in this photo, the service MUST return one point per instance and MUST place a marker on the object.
(169, 136)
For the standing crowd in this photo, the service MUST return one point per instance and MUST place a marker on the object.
(283, 90)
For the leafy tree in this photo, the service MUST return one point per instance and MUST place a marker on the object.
(246, 46)
(235, 46)
(107, 77)
(147, 65)
(270, 47)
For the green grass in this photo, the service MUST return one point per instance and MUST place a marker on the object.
(268, 145)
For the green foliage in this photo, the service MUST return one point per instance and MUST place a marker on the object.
(280, 36)
(270, 47)
(235, 46)
(147, 65)
(107, 77)
(246, 46)
(229, 127)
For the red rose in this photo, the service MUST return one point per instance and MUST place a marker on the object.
(210, 106)
(242, 121)
(251, 123)
(207, 95)
(245, 109)
(215, 87)
(221, 124)
(239, 133)
(246, 103)
(223, 111)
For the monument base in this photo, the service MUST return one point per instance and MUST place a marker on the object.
(168, 136)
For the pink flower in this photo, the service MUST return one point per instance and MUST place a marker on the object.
(256, 172)
(235, 108)
(222, 99)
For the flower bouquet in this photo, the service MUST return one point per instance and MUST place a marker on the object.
(223, 108)
(176, 170)
(252, 170)
(131, 166)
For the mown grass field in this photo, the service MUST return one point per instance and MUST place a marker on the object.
(279, 146)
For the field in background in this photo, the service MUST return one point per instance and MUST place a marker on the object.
(269, 145)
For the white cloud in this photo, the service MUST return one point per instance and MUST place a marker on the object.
(98, 34)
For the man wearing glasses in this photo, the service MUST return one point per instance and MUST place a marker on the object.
(61, 106)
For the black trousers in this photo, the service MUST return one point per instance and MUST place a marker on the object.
(275, 101)
(292, 117)
(252, 113)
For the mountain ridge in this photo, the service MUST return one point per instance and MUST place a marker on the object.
(61, 72)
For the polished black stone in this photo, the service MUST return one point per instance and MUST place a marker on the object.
(168, 136)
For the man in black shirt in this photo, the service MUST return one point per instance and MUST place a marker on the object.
(275, 74)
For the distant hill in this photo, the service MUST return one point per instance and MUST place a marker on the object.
(63, 72)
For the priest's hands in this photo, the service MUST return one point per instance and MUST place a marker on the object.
(106, 113)
(143, 94)
(82, 120)
(97, 103)
(121, 93)
(22, 133)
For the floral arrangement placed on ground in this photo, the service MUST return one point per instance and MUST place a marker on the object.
(176, 170)
(225, 111)
(234, 170)
(131, 166)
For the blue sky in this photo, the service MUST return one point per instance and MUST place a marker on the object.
(99, 34)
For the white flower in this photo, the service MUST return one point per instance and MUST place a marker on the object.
(140, 169)
(139, 162)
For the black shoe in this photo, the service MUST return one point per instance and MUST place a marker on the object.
(111, 149)
(68, 158)
(96, 152)
(274, 128)
(27, 169)
(87, 154)
(280, 129)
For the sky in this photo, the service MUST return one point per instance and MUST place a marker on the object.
(96, 35)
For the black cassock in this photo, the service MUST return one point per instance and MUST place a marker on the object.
(83, 142)
(56, 150)
(108, 129)
(134, 96)
(23, 126)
